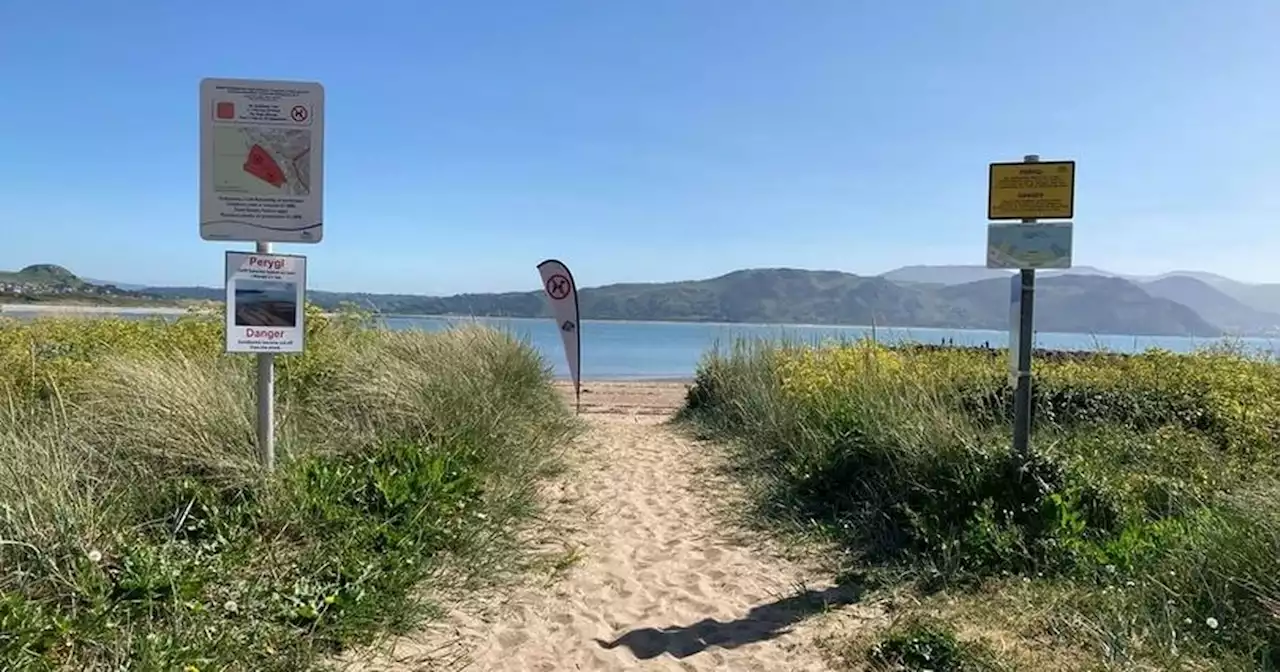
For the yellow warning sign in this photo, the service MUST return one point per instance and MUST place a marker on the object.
(1044, 190)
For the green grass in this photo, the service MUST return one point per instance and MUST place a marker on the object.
(138, 531)
(1144, 532)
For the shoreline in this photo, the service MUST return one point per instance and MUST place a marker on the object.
(89, 310)
(896, 336)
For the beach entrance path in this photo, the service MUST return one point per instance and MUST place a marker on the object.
(655, 576)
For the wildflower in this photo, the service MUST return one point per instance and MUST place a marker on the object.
(1211, 622)
(1111, 569)
(231, 606)
(95, 555)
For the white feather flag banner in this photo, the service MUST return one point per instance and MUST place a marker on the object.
(558, 283)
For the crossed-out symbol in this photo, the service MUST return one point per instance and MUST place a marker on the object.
(558, 287)
(299, 113)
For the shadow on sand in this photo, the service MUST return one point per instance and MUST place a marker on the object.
(762, 623)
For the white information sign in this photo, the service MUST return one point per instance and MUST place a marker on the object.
(261, 161)
(266, 299)
(1029, 245)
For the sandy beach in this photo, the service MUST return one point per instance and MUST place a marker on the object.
(657, 576)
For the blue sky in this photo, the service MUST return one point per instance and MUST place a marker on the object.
(654, 140)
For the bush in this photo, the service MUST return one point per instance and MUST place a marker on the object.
(925, 645)
(1139, 466)
(137, 529)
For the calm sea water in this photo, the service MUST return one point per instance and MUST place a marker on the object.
(666, 350)
(651, 350)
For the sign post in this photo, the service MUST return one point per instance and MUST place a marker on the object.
(261, 181)
(1028, 191)
(1015, 326)
(266, 388)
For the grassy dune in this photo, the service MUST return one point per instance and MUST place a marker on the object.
(1144, 533)
(137, 530)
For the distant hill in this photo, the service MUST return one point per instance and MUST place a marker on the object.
(122, 285)
(43, 274)
(1082, 300)
(1085, 304)
(1211, 279)
(1236, 307)
(962, 273)
(1090, 270)
(943, 275)
(959, 274)
(43, 283)
(1075, 303)
(1264, 297)
(1211, 303)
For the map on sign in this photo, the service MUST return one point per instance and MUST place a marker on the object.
(1039, 245)
(262, 161)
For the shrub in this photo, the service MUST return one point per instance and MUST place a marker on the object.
(137, 529)
(925, 645)
(1139, 466)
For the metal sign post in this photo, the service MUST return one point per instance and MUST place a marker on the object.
(266, 396)
(1028, 191)
(1026, 335)
(261, 181)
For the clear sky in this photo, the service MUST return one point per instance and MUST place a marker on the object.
(650, 140)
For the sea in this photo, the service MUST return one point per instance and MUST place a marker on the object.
(618, 350)
(615, 350)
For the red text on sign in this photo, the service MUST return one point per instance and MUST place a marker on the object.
(262, 262)
(263, 333)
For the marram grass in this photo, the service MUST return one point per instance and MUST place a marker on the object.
(138, 531)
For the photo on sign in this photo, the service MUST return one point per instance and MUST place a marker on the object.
(261, 161)
(261, 303)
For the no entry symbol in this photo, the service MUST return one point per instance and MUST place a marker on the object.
(299, 113)
(558, 287)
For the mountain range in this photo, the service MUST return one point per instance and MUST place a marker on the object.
(1235, 306)
(1082, 300)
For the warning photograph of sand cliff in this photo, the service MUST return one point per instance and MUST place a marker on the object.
(260, 303)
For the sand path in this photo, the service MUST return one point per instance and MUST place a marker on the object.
(661, 581)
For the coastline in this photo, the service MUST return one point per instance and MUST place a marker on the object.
(89, 310)
(892, 334)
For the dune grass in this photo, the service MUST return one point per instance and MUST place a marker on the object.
(137, 530)
(1143, 533)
